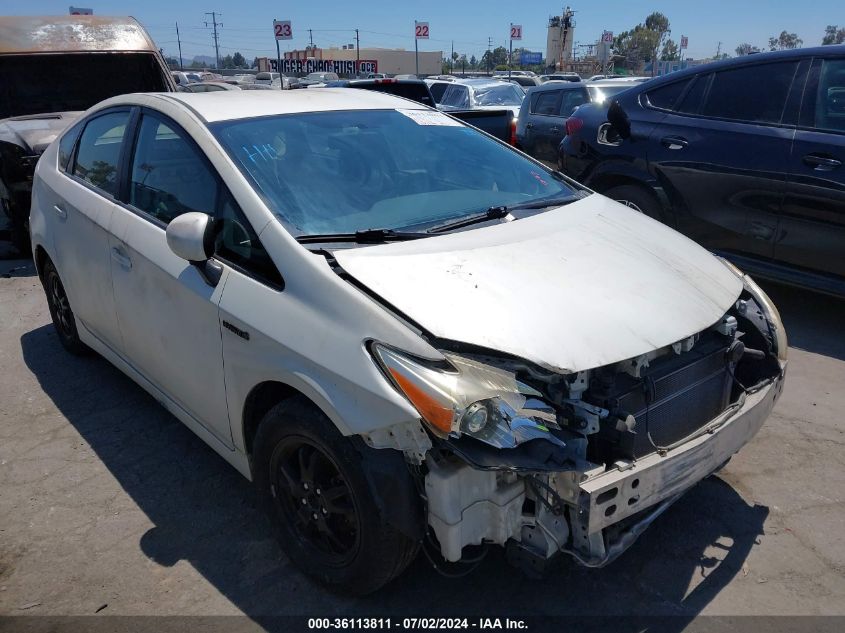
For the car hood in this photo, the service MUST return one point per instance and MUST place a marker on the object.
(35, 132)
(585, 285)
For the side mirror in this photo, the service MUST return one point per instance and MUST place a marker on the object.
(619, 120)
(190, 236)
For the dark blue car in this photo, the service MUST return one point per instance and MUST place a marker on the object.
(745, 156)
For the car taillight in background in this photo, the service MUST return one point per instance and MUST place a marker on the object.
(512, 139)
(573, 124)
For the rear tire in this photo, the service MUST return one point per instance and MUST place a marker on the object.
(60, 311)
(312, 482)
(636, 198)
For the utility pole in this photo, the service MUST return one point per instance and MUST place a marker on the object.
(311, 37)
(357, 53)
(214, 22)
(179, 42)
(718, 50)
(510, 53)
(452, 58)
(417, 50)
(489, 53)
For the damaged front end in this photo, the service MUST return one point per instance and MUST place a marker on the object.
(581, 463)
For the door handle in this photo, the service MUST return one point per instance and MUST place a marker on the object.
(60, 212)
(761, 231)
(674, 142)
(528, 126)
(121, 258)
(554, 129)
(819, 162)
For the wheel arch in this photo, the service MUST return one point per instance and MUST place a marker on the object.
(604, 181)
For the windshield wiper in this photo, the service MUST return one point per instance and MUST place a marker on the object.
(498, 212)
(365, 236)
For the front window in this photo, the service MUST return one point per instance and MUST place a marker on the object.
(340, 172)
(504, 95)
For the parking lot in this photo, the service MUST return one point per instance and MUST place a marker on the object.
(109, 505)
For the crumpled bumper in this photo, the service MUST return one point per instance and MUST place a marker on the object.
(620, 503)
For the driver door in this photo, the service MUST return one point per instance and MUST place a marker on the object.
(167, 312)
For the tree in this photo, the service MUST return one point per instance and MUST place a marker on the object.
(238, 60)
(227, 62)
(643, 42)
(497, 57)
(833, 35)
(746, 49)
(670, 52)
(473, 62)
(254, 63)
(785, 41)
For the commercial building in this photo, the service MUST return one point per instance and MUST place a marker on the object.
(392, 61)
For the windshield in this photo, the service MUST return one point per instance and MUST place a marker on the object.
(506, 94)
(599, 93)
(340, 172)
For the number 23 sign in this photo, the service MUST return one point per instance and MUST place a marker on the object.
(421, 30)
(516, 31)
(282, 30)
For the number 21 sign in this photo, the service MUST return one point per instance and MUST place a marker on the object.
(516, 31)
(282, 30)
(421, 30)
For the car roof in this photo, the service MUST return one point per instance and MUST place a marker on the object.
(738, 62)
(246, 104)
(478, 83)
(558, 85)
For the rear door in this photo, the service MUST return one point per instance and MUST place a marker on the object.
(84, 213)
(812, 230)
(722, 151)
(543, 108)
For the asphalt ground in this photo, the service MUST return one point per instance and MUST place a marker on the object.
(110, 506)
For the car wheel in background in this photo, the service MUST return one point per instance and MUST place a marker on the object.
(313, 483)
(636, 198)
(60, 311)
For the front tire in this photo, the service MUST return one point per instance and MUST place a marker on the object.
(636, 198)
(60, 311)
(312, 482)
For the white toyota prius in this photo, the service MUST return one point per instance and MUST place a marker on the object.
(406, 333)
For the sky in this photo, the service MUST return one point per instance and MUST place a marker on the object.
(247, 26)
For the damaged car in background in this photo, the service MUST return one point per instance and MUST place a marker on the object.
(446, 350)
(52, 69)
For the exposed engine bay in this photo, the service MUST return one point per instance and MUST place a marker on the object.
(583, 463)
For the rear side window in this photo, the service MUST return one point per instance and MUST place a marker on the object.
(66, 146)
(437, 91)
(99, 151)
(169, 176)
(754, 94)
(665, 97)
(692, 100)
(824, 104)
(457, 96)
(571, 99)
(546, 103)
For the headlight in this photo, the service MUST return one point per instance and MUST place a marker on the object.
(769, 310)
(467, 397)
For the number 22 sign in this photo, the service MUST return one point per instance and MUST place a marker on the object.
(421, 30)
(516, 31)
(282, 30)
